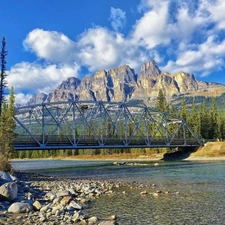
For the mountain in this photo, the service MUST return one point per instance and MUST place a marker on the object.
(123, 84)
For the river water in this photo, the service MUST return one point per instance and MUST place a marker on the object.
(201, 198)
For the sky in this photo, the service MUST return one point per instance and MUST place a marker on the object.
(51, 40)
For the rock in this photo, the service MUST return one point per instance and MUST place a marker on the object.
(63, 193)
(44, 208)
(93, 219)
(144, 192)
(50, 196)
(57, 200)
(108, 223)
(155, 194)
(9, 191)
(57, 208)
(78, 216)
(113, 217)
(37, 205)
(20, 207)
(5, 176)
(66, 200)
(75, 205)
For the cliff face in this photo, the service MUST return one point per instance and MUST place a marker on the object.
(122, 84)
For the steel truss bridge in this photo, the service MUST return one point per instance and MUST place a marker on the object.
(98, 124)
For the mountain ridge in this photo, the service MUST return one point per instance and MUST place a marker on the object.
(123, 84)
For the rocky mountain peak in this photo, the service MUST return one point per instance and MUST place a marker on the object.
(124, 74)
(38, 98)
(70, 83)
(122, 84)
(150, 69)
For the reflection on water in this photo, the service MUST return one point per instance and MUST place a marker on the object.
(200, 184)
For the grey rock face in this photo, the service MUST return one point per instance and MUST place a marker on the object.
(9, 191)
(149, 69)
(38, 98)
(122, 84)
(20, 207)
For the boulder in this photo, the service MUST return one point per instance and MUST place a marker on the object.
(9, 191)
(5, 178)
(20, 207)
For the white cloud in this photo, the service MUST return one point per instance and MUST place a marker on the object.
(150, 30)
(118, 18)
(99, 48)
(50, 45)
(21, 98)
(217, 13)
(205, 58)
(33, 78)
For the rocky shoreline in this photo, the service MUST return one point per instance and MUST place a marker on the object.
(45, 200)
(51, 201)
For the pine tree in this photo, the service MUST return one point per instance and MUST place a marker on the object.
(214, 120)
(3, 75)
(204, 120)
(7, 126)
(194, 120)
(183, 112)
(7, 135)
(161, 103)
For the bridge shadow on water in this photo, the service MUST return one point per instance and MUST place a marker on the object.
(179, 154)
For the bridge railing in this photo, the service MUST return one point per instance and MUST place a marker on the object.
(27, 141)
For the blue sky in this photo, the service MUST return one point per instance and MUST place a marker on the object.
(51, 40)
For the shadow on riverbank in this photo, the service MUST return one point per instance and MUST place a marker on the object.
(179, 154)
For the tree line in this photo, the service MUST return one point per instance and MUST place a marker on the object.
(207, 122)
(7, 112)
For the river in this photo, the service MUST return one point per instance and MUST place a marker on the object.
(200, 184)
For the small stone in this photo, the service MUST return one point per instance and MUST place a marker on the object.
(63, 193)
(44, 208)
(37, 205)
(66, 200)
(93, 219)
(155, 194)
(113, 217)
(75, 205)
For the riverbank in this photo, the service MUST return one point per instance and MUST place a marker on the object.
(57, 201)
(210, 151)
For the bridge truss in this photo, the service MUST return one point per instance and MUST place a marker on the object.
(97, 124)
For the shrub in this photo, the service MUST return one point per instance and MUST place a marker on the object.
(5, 164)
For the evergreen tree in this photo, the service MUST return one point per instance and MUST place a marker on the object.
(183, 112)
(3, 75)
(194, 120)
(213, 132)
(161, 103)
(7, 126)
(204, 120)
